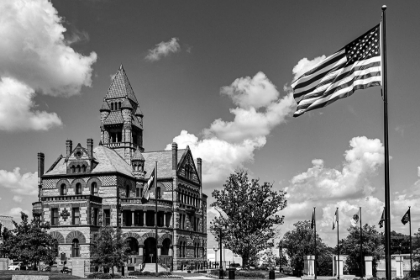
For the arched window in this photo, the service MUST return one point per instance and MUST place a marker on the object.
(84, 168)
(112, 106)
(127, 191)
(63, 189)
(78, 188)
(94, 188)
(75, 248)
(119, 105)
(78, 169)
(159, 195)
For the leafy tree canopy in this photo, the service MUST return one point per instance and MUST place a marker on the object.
(372, 246)
(252, 209)
(108, 249)
(300, 242)
(29, 242)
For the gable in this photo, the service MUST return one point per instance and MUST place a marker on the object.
(187, 168)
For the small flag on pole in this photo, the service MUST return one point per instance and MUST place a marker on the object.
(355, 219)
(382, 220)
(407, 217)
(146, 193)
(335, 220)
(313, 220)
(356, 66)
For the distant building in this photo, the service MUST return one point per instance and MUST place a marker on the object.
(92, 187)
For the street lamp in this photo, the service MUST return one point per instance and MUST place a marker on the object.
(215, 254)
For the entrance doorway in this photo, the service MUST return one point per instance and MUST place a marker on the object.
(149, 249)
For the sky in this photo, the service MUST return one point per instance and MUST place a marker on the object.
(216, 75)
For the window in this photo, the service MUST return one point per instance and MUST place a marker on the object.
(63, 189)
(78, 169)
(94, 188)
(78, 188)
(75, 248)
(75, 216)
(54, 216)
(187, 172)
(73, 169)
(84, 168)
(119, 105)
(107, 217)
(127, 191)
(95, 216)
(112, 106)
(159, 195)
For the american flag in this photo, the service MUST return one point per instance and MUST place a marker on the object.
(356, 66)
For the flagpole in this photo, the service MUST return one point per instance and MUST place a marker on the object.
(338, 245)
(361, 243)
(315, 242)
(411, 250)
(156, 219)
(387, 188)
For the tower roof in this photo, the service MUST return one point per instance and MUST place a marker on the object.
(137, 155)
(105, 107)
(138, 112)
(121, 87)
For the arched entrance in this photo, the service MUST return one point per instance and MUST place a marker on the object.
(165, 246)
(150, 248)
(134, 245)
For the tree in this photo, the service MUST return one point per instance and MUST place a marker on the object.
(252, 210)
(108, 249)
(372, 246)
(299, 242)
(29, 242)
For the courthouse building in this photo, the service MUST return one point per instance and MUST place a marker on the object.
(90, 187)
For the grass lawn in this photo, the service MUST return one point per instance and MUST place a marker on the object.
(7, 274)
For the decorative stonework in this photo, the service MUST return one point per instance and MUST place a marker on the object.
(108, 180)
(58, 236)
(49, 184)
(65, 214)
(75, 234)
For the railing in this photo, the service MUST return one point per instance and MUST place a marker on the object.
(119, 145)
(151, 202)
(202, 265)
(72, 197)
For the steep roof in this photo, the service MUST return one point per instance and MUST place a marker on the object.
(120, 87)
(115, 117)
(105, 106)
(137, 155)
(108, 161)
(138, 111)
(164, 159)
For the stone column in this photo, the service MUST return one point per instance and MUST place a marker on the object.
(171, 251)
(399, 273)
(164, 219)
(140, 250)
(368, 266)
(144, 217)
(306, 265)
(339, 264)
(311, 265)
(132, 218)
(159, 250)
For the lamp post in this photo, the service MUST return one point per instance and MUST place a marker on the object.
(215, 254)
(220, 248)
(280, 253)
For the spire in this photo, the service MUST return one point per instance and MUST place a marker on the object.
(137, 155)
(126, 104)
(121, 87)
(105, 107)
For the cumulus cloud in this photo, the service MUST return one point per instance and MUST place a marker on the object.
(17, 108)
(226, 146)
(35, 55)
(22, 184)
(329, 188)
(305, 65)
(17, 198)
(16, 213)
(163, 49)
(361, 162)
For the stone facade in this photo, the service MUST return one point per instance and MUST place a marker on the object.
(89, 187)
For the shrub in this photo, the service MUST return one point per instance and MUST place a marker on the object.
(250, 274)
(99, 275)
(162, 273)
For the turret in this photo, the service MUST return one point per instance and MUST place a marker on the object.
(105, 110)
(137, 163)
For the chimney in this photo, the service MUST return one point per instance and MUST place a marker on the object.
(199, 163)
(41, 158)
(69, 147)
(90, 147)
(174, 155)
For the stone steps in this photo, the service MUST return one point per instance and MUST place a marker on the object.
(151, 267)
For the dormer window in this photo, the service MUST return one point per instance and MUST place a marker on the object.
(63, 189)
(73, 169)
(127, 191)
(84, 168)
(78, 169)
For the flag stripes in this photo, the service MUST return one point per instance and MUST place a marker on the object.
(356, 66)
